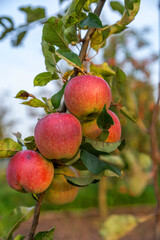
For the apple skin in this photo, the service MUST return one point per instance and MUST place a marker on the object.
(91, 130)
(60, 191)
(86, 95)
(28, 171)
(58, 135)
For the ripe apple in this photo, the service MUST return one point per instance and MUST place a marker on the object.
(28, 171)
(90, 129)
(60, 191)
(86, 95)
(58, 135)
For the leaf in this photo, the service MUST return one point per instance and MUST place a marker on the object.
(18, 40)
(11, 222)
(74, 14)
(122, 145)
(88, 3)
(8, 148)
(50, 58)
(117, 226)
(96, 40)
(117, 6)
(7, 24)
(22, 94)
(56, 98)
(84, 180)
(43, 78)
(53, 33)
(71, 35)
(34, 102)
(70, 57)
(19, 237)
(103, 135)
(102, 69)
(29, 142)
(33, 14)
(46, 235)
(131, 10)
(92, 20)
(104, 120)
(103, 146)
(115, 160)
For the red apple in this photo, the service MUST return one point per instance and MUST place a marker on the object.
(86, 95)
(58, 135)
(60, 191)
(90, 129)
(28, 171)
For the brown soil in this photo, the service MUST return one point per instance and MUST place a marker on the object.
(85, 225)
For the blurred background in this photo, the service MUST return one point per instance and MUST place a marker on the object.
(135, 51)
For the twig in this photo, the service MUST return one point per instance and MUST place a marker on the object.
(36, 217)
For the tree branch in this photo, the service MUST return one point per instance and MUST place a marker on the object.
(36, 217)
(90, 31)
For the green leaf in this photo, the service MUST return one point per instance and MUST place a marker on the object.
(50, 58)
(7, 25)
(18, 40)
(71, 35)
(53, 33)
(19, 237)
(8, 147)
(33, 14)
(34, 102)
(117, 6)
(11, 222)
(115, 160)
(92, 20)
(102, 69)
(22, 94)
(43, 78)
(103, 135)
(74, 14)
(118, 226)
(93, 164)
(87, 5)
(29, 142)
(96, 40)
(84, 180)
(122, 145)
(104, 120)
(56, 98)
(70, 57)
(103, 146)
(46, 235)
(131, 10)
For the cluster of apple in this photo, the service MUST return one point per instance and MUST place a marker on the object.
(59, 136)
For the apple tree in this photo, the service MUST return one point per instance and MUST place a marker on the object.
(72, 143)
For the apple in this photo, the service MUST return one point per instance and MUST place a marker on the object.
(60, 191)
(58, 135)
(90, 129)
(86, 95)
(28, 171)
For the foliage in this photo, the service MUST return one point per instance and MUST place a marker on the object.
(60, 34)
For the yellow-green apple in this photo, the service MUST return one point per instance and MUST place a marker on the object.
(86, 95)
(58, 135)
(90, 129)
(60, 191)
(28, 171)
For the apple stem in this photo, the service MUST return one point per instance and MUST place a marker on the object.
(36, 216)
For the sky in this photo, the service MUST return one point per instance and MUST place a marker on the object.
(19, 66)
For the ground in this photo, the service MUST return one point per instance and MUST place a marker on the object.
(85, 225)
